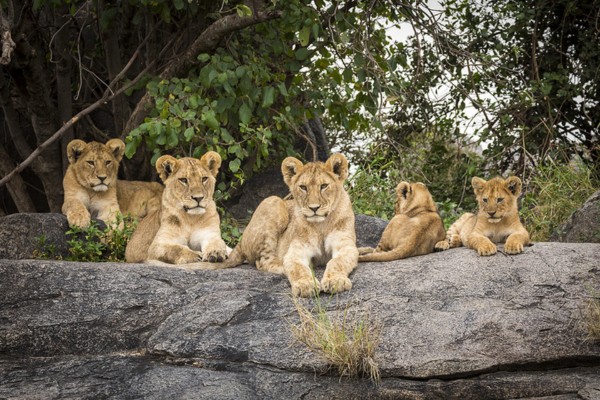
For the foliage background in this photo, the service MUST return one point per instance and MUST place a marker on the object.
(434, 92)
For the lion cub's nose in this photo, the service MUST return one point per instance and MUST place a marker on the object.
(198, 198)
(314, 208)
(492, 213)
(102, 178)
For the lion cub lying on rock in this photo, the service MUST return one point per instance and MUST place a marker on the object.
(187, 226)
(413, 231)
(315, 227)
(496, 221)
(91, 185)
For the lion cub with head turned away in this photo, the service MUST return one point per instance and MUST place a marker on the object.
(496, 221)
(92, 189)
(413, 231)
(187, 226)
(314, 228)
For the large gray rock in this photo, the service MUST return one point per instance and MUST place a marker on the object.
(456, 326)
(583, 225)
(21, 234)
(368, 230)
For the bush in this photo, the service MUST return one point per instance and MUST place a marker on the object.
(554, 192)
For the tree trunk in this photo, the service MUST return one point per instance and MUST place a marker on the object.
(16, 187)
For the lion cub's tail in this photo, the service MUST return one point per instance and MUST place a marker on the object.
(394, 254)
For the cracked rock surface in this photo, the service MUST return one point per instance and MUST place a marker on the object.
(455, 326)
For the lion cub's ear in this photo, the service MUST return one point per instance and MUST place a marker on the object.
(513, 184)
(165, 166)
(75, 149)
(338, 164)
(117, 147)
(290, 167)
(403, 189)
(478, 185)
(211, 161)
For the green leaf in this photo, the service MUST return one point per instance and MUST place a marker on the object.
(130, 149)
(243, 10)
(178, 4)
(301, 54)
(245, 114)
(188, 133)
(268, 96)
(234, 165)
(203, 57)
(210, 120)
(304, 36)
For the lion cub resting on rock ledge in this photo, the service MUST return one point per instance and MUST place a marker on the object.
(315, 227)
(91, 185)
(496, 221)
(413, 231)
(187, 226)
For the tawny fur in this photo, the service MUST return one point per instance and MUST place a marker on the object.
(413, 231)
(186, 228)
(314, 228)
(92, 189)
(497, 220)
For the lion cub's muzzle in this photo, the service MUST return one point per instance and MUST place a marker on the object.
(196, 206)
(101, 186)
(314, 213)
(493, 217)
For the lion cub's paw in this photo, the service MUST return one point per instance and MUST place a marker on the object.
(335, 284)
(216, 255)
(188, 257)
(486, 249)
(441, 245)
(513, 247)
(79, 219)
(305, 287)
(365, 250)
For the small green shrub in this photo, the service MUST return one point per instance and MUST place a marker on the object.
(94, 244)
(372, 193)
(45, 250)
(348, 341)
(553, 194)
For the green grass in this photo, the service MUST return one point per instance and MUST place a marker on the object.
(553, 194)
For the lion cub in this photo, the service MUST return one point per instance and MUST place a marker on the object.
(187, 226)
(314, 228)
(91, 185)
(413, 231)
(496, 221)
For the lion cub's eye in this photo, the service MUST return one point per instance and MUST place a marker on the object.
(204, 179)
(183, 180)
(92, 163)
(324, 186)
(108, 162)
(485, 200)
(303, 187)
(500, 199)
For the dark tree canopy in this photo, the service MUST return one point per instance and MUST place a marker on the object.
(258, 80)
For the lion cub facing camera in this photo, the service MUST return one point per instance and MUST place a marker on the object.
(413, 231)
(187, 226)
(91, 186)
(496, 221)
(315, 227)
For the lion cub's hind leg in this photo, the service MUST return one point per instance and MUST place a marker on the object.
(260, 240)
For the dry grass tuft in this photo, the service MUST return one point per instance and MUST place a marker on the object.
(347, 340)
(592, 318)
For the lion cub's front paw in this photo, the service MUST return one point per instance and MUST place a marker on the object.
(216, 255)
(188, 257)
(486, 249)
(336, 284)
(365, 250)
(513, 247)
(79, 219)
(305, 287)
(441, 245)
